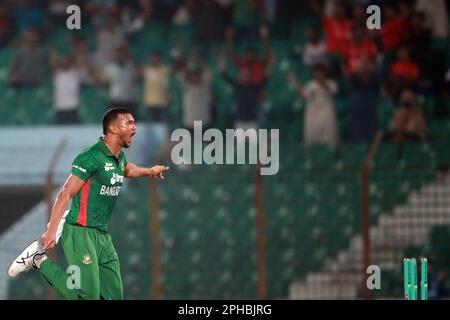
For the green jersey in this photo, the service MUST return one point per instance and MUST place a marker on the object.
(103, 174)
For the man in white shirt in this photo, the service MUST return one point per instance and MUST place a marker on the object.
(121, 76)
(66, 90)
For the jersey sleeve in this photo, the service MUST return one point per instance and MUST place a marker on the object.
(84, 166)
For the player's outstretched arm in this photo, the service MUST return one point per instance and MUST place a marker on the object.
(71, 187)
(134, 171)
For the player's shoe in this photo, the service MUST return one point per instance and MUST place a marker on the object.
(31, 257)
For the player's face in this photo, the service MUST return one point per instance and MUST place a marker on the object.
(127, 129)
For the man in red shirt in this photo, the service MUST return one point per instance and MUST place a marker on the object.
(337, 26)
(357, 49)
(251, 63)
(394, 30)
(404, 72)
(404, 67)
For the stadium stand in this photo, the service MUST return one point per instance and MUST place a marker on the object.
(312, 206)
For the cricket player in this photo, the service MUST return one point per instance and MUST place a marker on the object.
(93, 186)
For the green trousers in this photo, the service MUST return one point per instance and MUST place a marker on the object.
(93, 266)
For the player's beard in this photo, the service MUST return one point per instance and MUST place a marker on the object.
(126, 142)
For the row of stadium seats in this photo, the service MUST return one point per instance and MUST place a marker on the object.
(208, 232)
(208, 224)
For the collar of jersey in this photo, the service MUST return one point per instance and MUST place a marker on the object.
(104, 148)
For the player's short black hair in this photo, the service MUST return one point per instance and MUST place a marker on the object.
(111, 115)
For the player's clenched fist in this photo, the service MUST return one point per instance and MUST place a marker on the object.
(49, 239)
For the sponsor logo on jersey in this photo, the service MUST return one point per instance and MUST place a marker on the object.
(79, 168)
(87, 259)
(116, 178)
(109, 166)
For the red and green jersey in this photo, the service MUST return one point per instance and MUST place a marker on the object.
(103, 174)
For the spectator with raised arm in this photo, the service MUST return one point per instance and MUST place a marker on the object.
(359, 49)
(247, 94)
(320, 124)
(196, 84)
(337, 27)
(109, 38)
(135, 14)
(394, 29)
(66, 89)
(336, 24)
(251, 63)
(121, 76)
(315, 50)
(83, 59)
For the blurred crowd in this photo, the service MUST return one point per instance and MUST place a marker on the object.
(398, 61)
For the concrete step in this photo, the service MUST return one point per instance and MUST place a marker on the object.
(408, 224)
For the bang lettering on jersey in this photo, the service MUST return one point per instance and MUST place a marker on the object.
(110, 191)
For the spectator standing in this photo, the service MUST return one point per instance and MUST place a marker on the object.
(109, 38)
(394, 29)
(253, 65)
(364, 97)
(358, 50)
(320, 125)
(337, 26)
(31, 61)
(83, 59)
(196, 83)
(315, 50)
(66, 89)
(156, 88)
(247, 95)
(121, 76)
